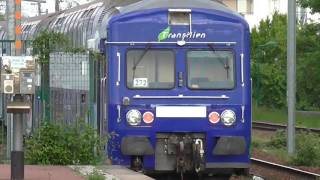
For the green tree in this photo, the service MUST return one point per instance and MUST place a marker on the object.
(314, 5)
(268, 52)
(269, 57)
(308, 67)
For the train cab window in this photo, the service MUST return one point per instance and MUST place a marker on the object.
(211, 69)
(150, 69)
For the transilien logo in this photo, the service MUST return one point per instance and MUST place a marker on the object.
(164, 34)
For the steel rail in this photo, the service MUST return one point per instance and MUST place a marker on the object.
(286, 169)
(274, 127)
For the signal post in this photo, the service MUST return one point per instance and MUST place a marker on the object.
(17, 153)
(17, 79)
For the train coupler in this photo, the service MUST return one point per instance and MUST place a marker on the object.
(182, 152)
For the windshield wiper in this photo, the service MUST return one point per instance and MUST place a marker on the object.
(139, 60)
(225, 64)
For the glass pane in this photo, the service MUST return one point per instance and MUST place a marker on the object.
(242, 6)
(179, 18)
(210, 70)
(150, 69)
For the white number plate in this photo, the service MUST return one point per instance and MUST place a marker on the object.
(182, 111)
(140, 82)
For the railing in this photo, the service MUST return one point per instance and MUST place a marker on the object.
(73, 91)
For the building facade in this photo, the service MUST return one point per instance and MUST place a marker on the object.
(256, 10)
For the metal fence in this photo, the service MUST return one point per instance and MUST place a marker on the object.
(69, 87)
(73, 94)
(73, 89)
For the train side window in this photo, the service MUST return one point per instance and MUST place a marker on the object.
(150, 69)
(84, 14)
(60, 20)
(211, 69)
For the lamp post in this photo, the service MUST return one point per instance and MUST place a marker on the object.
(291, 75)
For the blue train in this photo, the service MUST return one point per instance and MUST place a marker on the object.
(177, 91)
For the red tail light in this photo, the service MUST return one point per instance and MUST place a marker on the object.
(148, 117)
(214, 117)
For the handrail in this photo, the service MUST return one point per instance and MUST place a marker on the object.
(131, 43)
(180, 97)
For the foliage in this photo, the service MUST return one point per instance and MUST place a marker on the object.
(269, 56)
(278, 140)
(308, 150)
(308, 67)
(314, 5)
(47, 42)
(256, 144)
(272, 85)
(96, 56)
(96, 175)
(268, 43)
(58, 144)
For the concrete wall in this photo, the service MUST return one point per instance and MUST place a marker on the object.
(231, 4)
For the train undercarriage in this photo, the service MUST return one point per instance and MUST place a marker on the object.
(180, 154)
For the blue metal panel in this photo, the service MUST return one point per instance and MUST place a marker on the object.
(145, 26)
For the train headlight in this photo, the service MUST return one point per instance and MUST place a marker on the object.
(133, 117)
(228, 117)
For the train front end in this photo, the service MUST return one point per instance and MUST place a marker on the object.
(179, 90)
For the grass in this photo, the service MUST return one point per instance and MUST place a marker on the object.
(280, 116)
(307, 148)
(263, 144)
(95, 175)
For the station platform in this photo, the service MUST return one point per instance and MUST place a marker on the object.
(33, 172)
(112, 172)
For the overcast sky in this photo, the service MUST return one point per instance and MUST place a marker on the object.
(30, 9)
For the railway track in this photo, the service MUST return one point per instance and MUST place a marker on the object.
(286, 171)
(274, 127)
